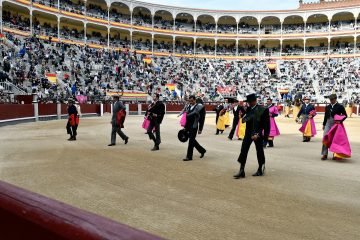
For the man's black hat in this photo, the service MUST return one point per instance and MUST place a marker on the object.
(251, 97)
(183, 136)
(333, 96)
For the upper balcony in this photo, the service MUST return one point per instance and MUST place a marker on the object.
(202, 23)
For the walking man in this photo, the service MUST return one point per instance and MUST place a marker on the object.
(330, 111)
(194, 125)
(155, 113)
(257, 121)
(237, 111)
(71, 125)
(117, 121)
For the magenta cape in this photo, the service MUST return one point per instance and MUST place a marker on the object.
(312, 125)
(274, 130)
(337, 141)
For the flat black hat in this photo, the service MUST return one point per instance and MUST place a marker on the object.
(183, 136)
(251, 97)
(333, 96)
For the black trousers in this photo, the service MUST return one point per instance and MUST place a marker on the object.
(233, 128)
(117, 130)
(193, 144)
(156, 138)
(245, 150)
(72, 130)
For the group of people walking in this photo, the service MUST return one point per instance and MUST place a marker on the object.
(252, 123)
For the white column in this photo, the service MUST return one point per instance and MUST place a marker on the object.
(101, 109)
(281, 47)
(127, 106)
(237, 47)
(85, 37)
(215, 47)
(355, 48)
(329, 41)
(304, 46)
(139, 109)
(59, 5)
(58, 110)
(174, 44)
(152, 22)
(131, 40)
(174, 27)
(31, 22)
(152, 44)
(108, 38)
(36, 106)
(195, 24)
(58, 25)
(259, 47)
(194, 46)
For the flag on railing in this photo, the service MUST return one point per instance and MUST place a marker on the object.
(51, 77)
(147, 60)
(170, 86)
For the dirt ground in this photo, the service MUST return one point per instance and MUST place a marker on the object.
(301, 197)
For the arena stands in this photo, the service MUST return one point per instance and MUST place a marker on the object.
(145, 49)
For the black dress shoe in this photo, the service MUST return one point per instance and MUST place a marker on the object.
(187, 159)
(155, 148)
(202, 154)
(111, 144)
(230, 138)
(126, 140)
(241, 174)
(324, 157)
(260, 172)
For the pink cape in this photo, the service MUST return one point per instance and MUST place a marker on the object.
(183, 120)
(337, 141)
(274, 130)
(313, 127)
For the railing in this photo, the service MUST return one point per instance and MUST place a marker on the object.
(27, 215)
(10, 87)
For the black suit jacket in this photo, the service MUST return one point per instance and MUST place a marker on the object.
(237, 112)
(257, 122)
(332, 111)
(305, 110)
(159, 109)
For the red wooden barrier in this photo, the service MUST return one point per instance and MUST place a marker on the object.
(27, 215)
(47, 109)
(90, 108)
(64, 108)
(12, 111)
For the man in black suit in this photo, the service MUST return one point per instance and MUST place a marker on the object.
(238, 110)
(116, 128)
(305, 110)
(194, 125)
(330, 111)
(155, 114)
(257, 130)
(71, 124)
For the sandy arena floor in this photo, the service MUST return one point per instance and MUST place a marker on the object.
(300, 197)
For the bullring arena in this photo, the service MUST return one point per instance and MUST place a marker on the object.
(55, 51)
(300, 196)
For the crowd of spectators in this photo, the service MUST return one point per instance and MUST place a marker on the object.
(81, 70)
